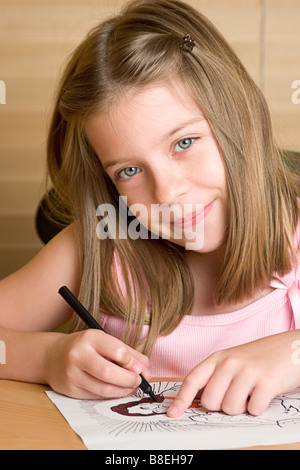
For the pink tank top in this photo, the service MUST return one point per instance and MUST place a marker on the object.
(197, 337)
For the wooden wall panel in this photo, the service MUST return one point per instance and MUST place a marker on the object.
(35, 39)
(282, 69)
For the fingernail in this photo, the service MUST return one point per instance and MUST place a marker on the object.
(138, 381)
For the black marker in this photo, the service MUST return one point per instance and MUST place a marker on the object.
(92, 323)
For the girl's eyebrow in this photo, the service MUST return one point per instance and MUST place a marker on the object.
(111, 163)
(166, 136)
(182, 126)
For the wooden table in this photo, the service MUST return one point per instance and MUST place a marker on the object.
(29, 420)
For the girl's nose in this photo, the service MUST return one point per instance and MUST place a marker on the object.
(169, 184)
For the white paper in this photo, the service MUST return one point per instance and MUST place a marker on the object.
(136, 422)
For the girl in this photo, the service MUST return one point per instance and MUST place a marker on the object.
(155, 107)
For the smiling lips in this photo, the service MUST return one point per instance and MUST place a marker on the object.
(192, 219)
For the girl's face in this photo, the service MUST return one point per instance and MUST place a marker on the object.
(158, 149)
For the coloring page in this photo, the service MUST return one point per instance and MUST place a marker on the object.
(137, 422)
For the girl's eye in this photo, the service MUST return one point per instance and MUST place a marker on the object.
(128, 172)
(183, 144)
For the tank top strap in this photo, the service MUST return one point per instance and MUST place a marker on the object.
(291, 281)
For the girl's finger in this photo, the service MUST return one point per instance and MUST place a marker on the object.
(109, 372)
(89, 387)
(260, 399)
(144, 361)
(216, 388)
(113, 349)
(236, 398)
(191, 385)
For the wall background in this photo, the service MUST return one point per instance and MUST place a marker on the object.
(37, 36)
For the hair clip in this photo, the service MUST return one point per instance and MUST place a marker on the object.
(188, 43)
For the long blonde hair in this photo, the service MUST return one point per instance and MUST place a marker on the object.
(140, 45)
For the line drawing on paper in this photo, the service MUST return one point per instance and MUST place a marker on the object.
(138, 413)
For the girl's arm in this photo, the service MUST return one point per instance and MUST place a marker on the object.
(29, 303)
(29, 299)
(86, 364)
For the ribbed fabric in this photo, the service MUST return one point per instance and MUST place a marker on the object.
(197, 337)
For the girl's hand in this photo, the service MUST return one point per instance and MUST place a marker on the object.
(243, 378)
(93, 364)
